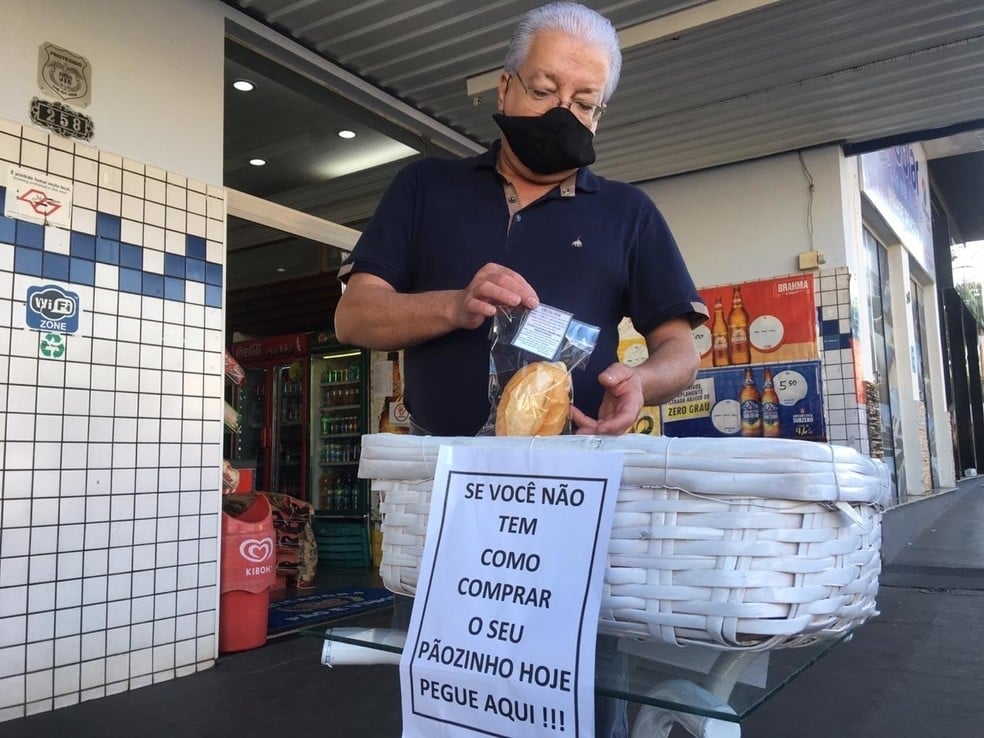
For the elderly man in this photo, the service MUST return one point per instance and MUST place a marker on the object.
(524, 223)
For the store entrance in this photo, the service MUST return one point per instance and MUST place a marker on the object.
(301, 402)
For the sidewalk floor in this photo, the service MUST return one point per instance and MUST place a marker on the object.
(915, 671)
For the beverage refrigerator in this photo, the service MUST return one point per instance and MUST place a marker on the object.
(337, 417)
(273, 401)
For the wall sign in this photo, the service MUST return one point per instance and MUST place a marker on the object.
(780, 321)
(52, 308)
(716, 405)
(38, 198)
(896, 182)
(51, 346)
(64, 75)
(274, 347)
(61, 119)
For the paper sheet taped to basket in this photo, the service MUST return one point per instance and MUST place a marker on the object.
(735, 543)
(511, 575)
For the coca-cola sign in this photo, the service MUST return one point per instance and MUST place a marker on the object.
(270, 348)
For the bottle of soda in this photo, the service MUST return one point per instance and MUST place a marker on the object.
(339, 495)
(324, 491)
(347, 494)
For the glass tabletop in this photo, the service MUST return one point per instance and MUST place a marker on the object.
(697, 680)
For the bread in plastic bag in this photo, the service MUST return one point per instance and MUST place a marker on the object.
(531, 357)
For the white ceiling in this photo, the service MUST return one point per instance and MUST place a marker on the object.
(789, 75)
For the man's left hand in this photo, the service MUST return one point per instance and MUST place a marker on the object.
(620, 406)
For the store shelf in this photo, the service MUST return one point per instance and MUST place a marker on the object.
(338, 419)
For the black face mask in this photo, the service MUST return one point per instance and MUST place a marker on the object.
(553, 142)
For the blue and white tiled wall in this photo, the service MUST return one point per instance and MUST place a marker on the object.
(111, 449)
(846, 417)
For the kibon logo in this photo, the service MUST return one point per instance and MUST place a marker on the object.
(256, 550)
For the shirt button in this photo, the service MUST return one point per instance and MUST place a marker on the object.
(512, 198)
(519, 218)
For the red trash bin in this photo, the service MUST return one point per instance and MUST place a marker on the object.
(249, 570)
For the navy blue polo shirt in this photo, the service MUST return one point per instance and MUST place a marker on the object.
(603, 254)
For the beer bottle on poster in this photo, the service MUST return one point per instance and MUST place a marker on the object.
(750, 402)
(719, 335)
(770, 407)
(738, 349)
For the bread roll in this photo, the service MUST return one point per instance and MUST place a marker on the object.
(536, 401)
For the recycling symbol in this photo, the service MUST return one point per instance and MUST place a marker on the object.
(52, 346)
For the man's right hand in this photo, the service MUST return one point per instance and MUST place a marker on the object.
(372, 314)
(492, 286)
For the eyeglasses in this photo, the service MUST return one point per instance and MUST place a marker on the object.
(542, 100)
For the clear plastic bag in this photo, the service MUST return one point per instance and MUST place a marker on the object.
(532, 354)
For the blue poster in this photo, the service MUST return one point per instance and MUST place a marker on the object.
(783, 400)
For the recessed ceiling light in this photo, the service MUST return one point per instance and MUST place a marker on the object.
(346, 133)
(243, 85)
(257, 162)
(281, 269)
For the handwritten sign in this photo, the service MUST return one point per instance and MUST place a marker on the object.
(502, 635)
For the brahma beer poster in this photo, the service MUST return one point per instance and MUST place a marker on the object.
(770, 320)
(780, 400)
(760, 369)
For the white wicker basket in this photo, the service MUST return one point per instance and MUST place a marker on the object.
(735, 543)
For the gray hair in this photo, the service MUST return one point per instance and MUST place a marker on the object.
(575, 20)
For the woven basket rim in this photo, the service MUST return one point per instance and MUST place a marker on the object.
(757, 467)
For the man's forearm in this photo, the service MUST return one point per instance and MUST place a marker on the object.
(668, 371)
(385, 320)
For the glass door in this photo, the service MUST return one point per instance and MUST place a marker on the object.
(288, 441)
(251, 444)
(338, 420)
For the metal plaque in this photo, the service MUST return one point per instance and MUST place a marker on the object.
(65, 75)
(61, 119)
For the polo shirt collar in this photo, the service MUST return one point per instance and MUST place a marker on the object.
(584, 179)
